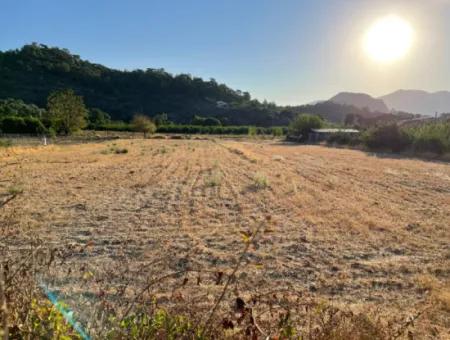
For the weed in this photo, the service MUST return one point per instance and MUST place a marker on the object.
(15, 190)
(152, 326)
(114, 150)
(214, 180)
(5, 143)
(260, 182)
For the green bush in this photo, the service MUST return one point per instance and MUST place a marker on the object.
(16, 107)
(433, 137)
(386, 137)
(277, 131)
(252, 131)
(341, 138)
(302, 124)
(26, 125)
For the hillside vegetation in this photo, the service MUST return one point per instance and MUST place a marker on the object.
(34, 71)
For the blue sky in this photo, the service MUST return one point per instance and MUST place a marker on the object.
(287, 51)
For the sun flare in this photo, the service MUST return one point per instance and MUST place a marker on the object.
(388, 39)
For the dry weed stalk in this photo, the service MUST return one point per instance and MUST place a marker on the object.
(3, 305)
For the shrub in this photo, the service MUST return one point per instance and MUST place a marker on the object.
(16, 107)
(386, 137)
(98, 118)
(433, 137)
(302, 124)
(33, 125)
(142, 123)
(277, 131)
(205, 121)
(14, 124)
(344, 139)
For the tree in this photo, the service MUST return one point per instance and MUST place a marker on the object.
(161, 119)
(16, 107)
(66, 111)
(205, 121)
(302, 124)
(98, 118)
(142, 123)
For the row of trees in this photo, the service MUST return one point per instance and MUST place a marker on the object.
(66, 113)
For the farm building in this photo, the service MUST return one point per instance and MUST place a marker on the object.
(320, 135)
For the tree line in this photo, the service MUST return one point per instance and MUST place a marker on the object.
(67, 113)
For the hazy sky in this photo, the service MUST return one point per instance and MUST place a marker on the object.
(287, 51)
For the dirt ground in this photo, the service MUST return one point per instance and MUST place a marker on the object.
(352, 228)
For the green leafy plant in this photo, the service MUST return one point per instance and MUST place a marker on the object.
(302, 124)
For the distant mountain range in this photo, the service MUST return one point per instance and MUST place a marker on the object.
(413, 101)
(417, 101)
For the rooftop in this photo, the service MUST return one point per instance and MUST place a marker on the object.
(335, 130)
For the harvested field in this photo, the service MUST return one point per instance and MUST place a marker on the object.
(346, 227)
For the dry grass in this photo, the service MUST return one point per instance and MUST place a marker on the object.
(347, 230)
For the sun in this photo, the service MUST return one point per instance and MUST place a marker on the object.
(389, 39)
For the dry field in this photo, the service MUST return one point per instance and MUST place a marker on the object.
(345, 227)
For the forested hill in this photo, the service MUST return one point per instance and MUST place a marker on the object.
(34, 71)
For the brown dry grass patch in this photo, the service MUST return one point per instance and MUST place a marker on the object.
(347, 228)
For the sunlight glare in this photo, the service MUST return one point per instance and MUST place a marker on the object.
(389, 39)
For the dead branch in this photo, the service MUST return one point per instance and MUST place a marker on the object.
(232, 275)
(9, 199)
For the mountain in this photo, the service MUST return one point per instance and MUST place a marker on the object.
(419, 102)
(360, 100)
